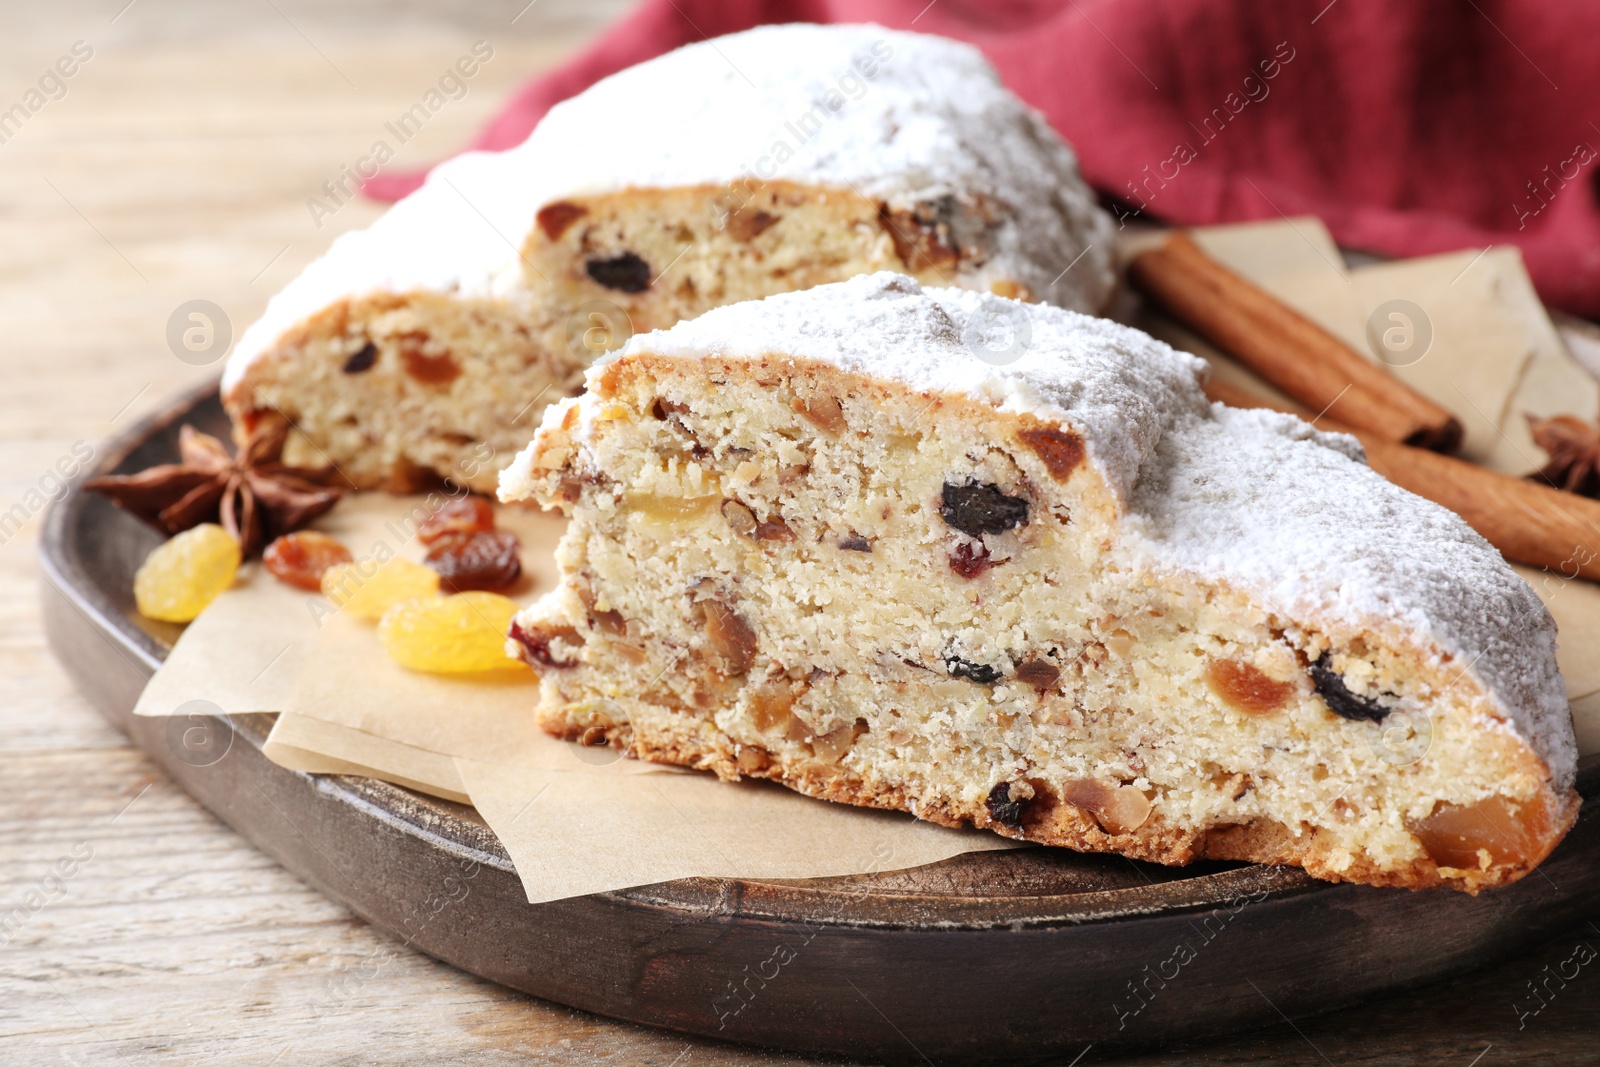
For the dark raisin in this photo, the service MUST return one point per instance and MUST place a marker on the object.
(362, 360)
(463, 514)
(476, 559)
(977, 508)
(627, 273)
(1004, 810)
(855, 543)
(981, 673)
(969, 562)
(1341, 701)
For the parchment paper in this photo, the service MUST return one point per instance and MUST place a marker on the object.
(575, 820)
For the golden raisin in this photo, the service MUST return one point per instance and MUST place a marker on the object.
(465, 514)
(450, 635)
(301, 558)
(182, 576)
(1244, 687)
(367, 591)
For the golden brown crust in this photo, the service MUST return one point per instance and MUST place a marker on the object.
(675, 739)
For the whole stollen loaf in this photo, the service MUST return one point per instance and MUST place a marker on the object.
(428, 344)
(816, 539)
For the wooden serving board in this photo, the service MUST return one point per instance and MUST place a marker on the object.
(998, 956)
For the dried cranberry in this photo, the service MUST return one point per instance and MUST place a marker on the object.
(978, 508)
(535, 646)
(1341, 701)
(465, 514)
(1004, 810)
(969, 562)
(480, 559)
(626, 273)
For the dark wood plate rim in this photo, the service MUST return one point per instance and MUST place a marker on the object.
(870, 907)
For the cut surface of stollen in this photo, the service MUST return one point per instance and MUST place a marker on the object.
(428, 344)
(1061, 595)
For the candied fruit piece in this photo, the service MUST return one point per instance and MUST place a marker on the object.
(730, 637)
(666, 513)
(185, 574)
(1493, 832)
(747, 226)
(1119, 809)
(741, 520)
(1061, 452)
(554, 218)
(1244, 687)
(774, 530)
(825, 413)
(482, 559)
(301, 558)
(424, 366)
(541, 648)
(450, 635)
(367, 591)
(465, 514)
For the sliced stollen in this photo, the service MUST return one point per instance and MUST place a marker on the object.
(816, 539)
(429, 343)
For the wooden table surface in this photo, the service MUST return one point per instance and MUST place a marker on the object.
(176, 164)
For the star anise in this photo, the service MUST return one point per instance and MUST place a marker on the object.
(1573, 446)
(253, 494)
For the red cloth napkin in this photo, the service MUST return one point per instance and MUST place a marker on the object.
(1410, 128)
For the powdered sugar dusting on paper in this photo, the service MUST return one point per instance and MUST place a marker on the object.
(898, 117)
(1258, 499)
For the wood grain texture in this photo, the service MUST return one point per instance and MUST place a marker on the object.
(177, 166)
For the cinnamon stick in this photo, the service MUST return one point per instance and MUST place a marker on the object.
(1287, 349)
(1528, 522)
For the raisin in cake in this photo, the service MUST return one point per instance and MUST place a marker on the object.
(428, 344)
(815, 539)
